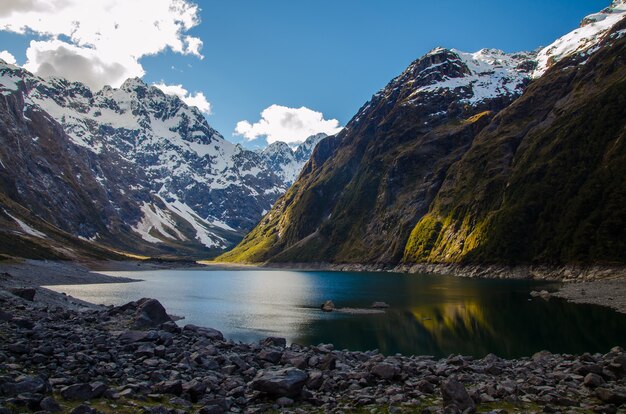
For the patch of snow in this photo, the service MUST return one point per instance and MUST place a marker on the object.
(158, 220)
(583, 39)
(26, 228)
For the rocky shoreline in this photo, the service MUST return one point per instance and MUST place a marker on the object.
(134, 358)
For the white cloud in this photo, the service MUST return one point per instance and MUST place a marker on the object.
(281, 123)
(57, 58)
(7, 57)
(105, 37)
(196, 99)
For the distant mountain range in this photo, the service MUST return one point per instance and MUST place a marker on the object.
(482, 157)
(130, 169)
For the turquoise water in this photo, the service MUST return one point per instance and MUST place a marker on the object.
(428, 314)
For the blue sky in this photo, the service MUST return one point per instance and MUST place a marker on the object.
(329, 56)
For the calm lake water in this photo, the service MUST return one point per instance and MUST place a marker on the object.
(429, 314)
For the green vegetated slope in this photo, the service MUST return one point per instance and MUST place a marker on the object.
(546, 181)
(362, 192)
(543, 180)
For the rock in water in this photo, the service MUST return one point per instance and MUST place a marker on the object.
(328, 306)
(380, 305)
(150, 313)
(286, 382)
(455, 396)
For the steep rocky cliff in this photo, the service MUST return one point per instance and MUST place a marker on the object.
(484, 157)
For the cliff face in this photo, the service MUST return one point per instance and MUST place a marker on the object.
(460, 159)
(546, 180)
(362, 191)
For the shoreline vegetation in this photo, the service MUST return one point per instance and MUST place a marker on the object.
(60, 354)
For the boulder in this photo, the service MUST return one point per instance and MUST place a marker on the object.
(285, 382)
(150, 313)
(384, 371)
(24, 293)
(130, 337)
(5, 316)
(77, 392)
(50, 405)
(169, 387)
(593, 380)
(273, 341)
(456, 398)
(270, 355)
(205, 332)
(328, 306)
(25, 385)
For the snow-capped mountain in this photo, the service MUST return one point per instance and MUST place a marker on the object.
(363, 191)
(188, 183)
(287, 162)
(584, 39)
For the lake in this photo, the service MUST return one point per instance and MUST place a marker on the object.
(428, 314)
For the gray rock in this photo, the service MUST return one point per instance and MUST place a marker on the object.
(384, 370)
(137, 336)
(150, 313)
(211, 409)
(284, 402)
(25, 385)
(274, 341)
(169, 387)
(285, 382)
(205, 332)
(328, 306)
(77, 392)
(455, 396)
(380, 305)
(50, 404)
(195, 389)
(615, 396)
(593, 380)
(23, 323)
(24, 293)
(315, 381)
(4, 316)
(270, 355)
(83, 409)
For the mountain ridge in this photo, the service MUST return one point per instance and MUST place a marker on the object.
(155, 178)
(369, 199)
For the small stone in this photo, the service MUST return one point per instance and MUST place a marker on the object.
(77, 392)
(284, 401)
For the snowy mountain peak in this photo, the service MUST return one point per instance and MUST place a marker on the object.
(474, 77)
(592, 30)
(188, 184)
(133, 84)
(286, 161)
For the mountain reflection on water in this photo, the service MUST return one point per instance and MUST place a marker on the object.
(429, 315)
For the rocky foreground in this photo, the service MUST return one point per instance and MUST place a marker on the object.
(134, 358)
